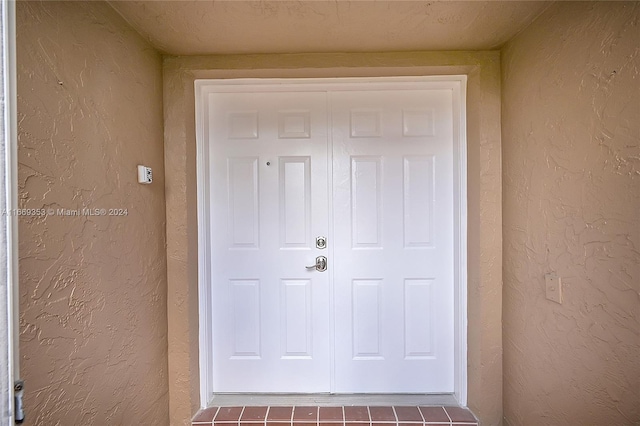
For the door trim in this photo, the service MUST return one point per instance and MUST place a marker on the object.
(457, 83)
(9, 288)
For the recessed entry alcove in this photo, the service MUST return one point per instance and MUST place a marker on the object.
(549, 119)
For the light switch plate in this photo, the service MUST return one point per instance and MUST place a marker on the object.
(553, 287)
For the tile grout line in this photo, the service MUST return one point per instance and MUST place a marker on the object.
(395, 414)
(448, 416)
(370, 418)
(266, 415)
(213, 419)
(424, 421)
(293, 410)
(241, 413)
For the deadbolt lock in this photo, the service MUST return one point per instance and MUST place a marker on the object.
(321, 242)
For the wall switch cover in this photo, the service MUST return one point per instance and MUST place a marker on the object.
(553, 287)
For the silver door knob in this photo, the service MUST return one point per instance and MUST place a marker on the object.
(321, 264)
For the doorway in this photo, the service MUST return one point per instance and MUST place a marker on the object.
(331, 218)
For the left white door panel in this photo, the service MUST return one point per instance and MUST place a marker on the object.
(269, 201)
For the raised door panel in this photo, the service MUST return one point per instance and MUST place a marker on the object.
(243, 202)
(366, 202)
(296, 332)
(295, 202)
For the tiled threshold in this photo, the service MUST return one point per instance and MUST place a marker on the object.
(343, 415)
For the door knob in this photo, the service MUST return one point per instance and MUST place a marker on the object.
(321, 264)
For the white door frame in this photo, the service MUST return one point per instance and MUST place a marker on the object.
(457, 83)
(9, 300)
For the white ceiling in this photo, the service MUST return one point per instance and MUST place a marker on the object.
(199, 27)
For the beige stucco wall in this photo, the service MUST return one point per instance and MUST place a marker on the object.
(93, 318)
(484, 201)
(571, 147)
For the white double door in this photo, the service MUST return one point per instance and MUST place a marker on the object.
(372, 172)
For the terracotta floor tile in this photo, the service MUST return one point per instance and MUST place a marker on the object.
(331, 414)
(382, 414)
(408, 414)
(346, 423)
(460, 415)
(253, 414)
(434, 415)
(410, 423)
(278, 423)
(310, 423)
(305, 414)
(331, 423)
(393, 423)
(279, 413)
(228, 414)
(356, 414)
(253, 423)
(205, 415)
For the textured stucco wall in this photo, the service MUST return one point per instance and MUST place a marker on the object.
(93, 289)
(571, 156)
(484, 201)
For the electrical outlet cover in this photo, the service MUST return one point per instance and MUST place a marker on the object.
(553, 285)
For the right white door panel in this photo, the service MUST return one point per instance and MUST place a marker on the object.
(393, 227)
